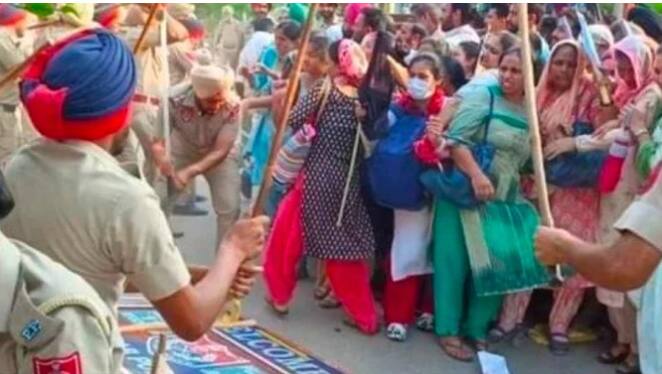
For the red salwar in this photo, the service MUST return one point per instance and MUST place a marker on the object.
(349, 280)
(401, 298)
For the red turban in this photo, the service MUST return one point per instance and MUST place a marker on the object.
(10, 15)
(352, 12)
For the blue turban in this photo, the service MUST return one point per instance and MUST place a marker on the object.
(81, 87)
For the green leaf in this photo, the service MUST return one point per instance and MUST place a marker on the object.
(41, 10)
(70, 8)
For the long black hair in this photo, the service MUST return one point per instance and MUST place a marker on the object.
(454, 71)
(378, 84)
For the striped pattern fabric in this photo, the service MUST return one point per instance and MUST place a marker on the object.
(293, 154)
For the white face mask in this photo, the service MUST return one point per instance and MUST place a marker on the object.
(419, 89)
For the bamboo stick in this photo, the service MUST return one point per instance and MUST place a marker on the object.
(292, 84)
(143, 34)
(534, 127)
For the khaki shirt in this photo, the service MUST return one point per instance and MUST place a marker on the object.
(644, 216)
(181, 58)
(77, 205)
(51, 319)
(230, 35)
(195, 132)
(149, 61)
(13, 51)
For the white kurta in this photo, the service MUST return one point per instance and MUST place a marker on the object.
(411, 239)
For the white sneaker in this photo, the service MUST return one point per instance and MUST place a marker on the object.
(396, 332)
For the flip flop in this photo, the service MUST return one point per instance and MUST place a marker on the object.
(349, 322)
(329, 302)
(281, 311)
(321, 292)
(498, 334)
(457, 349)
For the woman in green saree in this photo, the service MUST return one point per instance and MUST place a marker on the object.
(483, 253)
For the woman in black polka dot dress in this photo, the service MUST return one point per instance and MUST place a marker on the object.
(306, 222)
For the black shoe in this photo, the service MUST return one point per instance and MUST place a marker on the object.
(200, 199)
(189, 210)
(178, 234)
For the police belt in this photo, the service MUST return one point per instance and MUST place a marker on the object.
(144, 99)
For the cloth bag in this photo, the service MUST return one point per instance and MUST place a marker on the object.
(452, 184)
(576, 169)
(295, 150)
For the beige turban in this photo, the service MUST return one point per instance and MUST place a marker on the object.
(181, 11)
(209, 80)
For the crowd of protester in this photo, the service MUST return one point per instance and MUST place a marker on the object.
(405, 178)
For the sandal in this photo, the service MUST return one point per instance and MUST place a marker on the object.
(480, 345)
(456, 349)
(629, 366)
(349, 321)
(396, 332)
(498, 334)
(559, 344)
(329, 302)
(280, 310)
(611, 358)
(425, 322)
(321, 291)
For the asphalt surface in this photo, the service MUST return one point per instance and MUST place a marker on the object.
(323, 333)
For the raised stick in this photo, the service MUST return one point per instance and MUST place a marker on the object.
(534, 126)
(292, 85)
(143, 34)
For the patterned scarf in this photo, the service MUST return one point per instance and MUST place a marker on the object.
(638, 53)
(352, 64)
(558, 110)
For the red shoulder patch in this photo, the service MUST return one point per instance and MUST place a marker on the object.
(58, 365)
(186, 113)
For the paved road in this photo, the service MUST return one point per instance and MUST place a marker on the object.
(322, 331)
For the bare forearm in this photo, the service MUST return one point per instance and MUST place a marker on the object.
(257, 102)
(211, 160)
(623, 266)
(465, 161)
(191, 311)
(212, 291)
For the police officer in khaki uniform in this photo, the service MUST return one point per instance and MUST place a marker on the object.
(205, 124)
(50, 318)
(80, 207)
(181, 55)
(151, 64)
(15, 47)
(229, 39)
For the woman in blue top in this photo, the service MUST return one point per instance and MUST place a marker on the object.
(273, 63)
